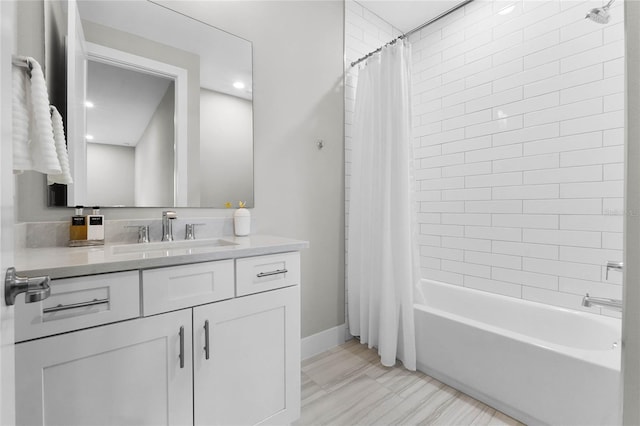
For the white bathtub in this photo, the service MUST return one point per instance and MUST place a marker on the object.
(537, 363)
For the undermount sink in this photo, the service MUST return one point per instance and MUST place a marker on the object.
(170, 245)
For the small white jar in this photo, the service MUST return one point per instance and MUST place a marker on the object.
(242, 222)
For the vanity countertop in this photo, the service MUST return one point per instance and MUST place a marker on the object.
(62, 262)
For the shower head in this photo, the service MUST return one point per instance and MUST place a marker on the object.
(600, 15)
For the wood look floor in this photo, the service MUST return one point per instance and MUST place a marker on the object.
(347, 386)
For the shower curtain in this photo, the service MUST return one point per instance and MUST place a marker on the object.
(382, 266)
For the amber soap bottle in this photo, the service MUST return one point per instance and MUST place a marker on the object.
(78, 228)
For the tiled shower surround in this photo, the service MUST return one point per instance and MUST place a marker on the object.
(518, 115)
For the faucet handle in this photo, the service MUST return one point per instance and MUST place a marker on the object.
(613, 265)
(170, 214)
(143, 232)
(190, 231)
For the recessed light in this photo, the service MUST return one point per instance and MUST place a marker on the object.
(88, 137)
(238, 85)
(88, 104)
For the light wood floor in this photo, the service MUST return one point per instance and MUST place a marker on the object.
(347, 385)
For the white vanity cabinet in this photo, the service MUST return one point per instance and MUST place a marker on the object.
(128, 373)
(193, 355)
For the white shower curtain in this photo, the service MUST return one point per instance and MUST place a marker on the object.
(382, 266)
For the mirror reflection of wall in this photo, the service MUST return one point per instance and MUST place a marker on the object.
(129, 137)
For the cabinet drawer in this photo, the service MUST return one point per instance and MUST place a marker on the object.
(79, 303)
(177, 287)
(262, 273)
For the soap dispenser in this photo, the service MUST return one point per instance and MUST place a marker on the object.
(95, 226)
(78, 227)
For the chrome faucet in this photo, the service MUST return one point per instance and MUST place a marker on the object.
(618, 266)
(613, 304)
(167, 227)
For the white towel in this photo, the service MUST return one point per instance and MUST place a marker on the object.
(21, 105)
(61, 149)
(30, 95)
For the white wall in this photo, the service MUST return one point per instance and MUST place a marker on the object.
(518, 125)
(109, 174)
(298, 69)
(226, 148)
(155, 156)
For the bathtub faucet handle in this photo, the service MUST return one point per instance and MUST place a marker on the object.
(613, 265)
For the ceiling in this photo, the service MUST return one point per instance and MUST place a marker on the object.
(406, 15)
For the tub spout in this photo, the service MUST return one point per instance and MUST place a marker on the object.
(613, 304)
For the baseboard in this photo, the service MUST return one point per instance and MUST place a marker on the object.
(325, 340)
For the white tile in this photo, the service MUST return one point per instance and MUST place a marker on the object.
(528, 47)
(467, 120)
(442, 160)
(560, 51)
(594, 89)
(613, 137)
(493, 286)
(442, 230)
(529, 134)
(495, 99)
(527, 105)
(469, 45)
(562, 269)
(466, 219)
(429, 240)
(426, 129)
(525, 192)
(497, 72)
(540, 251)
(467, 95)
(555, 298)
(443, 91)
(444, 183)
(562, 237)
(612, 154)
(614, 171)
(585, 108)
(545, 11)
(614, 67)
(427, 151)
(614, 102)
(442, 276)
(527, 76)
(540, 221)
(442, 206)
(592, 189)
(611, 240)
(466, 194)
(570, 206)
(469, 68)
(467, 243)
(442, 137)
(594, 256)
(467, 268)
(501, 206)
(495, 126)
(427, 174)
(507, 151)
(613, 206)
(429, 217)
(591, 223)
(496, 179)
(467, 169)
(534, 162)
(564, 174)
(441, 68)
(442, 253)
(565, 143)
(497, 45)
(566, 80)
(594, 288)
(428, 196)
(493, 233)
(442, 114)
(429, 262)
(465, 145)
(526, 278)
(604, 53)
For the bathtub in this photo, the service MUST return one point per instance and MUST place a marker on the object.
(537, 363)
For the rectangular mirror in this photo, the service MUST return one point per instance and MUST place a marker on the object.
(158, 106)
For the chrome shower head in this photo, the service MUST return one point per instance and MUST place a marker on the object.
(600, 15)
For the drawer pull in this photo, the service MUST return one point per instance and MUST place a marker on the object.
(181, 356)
(62, 307)
(206, 339)
(276, 272)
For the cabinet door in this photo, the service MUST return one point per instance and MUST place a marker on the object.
(253, 372)
(127, 373)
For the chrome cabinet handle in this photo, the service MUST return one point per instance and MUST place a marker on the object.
(35, 289)
(206, 339)
(181, 356)
(276, 272)
(62, 307)
(613, 265)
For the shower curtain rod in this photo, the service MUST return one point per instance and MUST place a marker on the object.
(408, 33)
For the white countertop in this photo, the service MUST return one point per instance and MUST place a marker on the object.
(61, 262)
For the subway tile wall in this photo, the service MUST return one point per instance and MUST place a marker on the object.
(518, 115)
